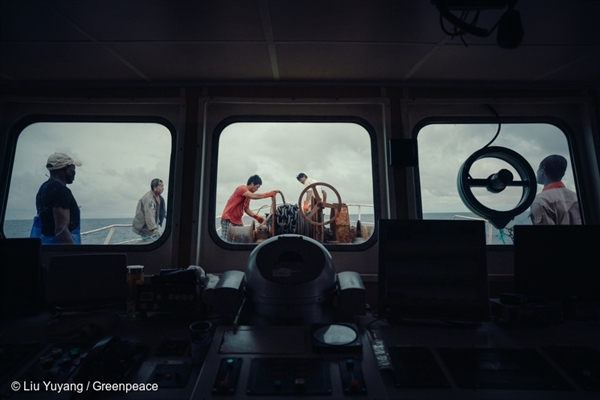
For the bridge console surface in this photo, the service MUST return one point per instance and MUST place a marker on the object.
(553, 361)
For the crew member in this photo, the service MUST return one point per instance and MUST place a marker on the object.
(58, 220)
(150, 211)
(555, 205)
(239, 203)
(306, 181)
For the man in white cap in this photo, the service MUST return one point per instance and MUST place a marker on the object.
(57, 209)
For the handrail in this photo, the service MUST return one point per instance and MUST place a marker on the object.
(110, 233)
(114, 226)
(468, 217)
(104, 228)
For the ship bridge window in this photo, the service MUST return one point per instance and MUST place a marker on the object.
(444, 148)
(119, 162)
(322, 170)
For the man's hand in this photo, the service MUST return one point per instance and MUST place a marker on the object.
(62, 218)
(258, 218)
(272, 193)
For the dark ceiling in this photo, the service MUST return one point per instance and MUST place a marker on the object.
(170, 41)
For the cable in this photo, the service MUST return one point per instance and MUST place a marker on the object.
(499, 125)
(462, 27)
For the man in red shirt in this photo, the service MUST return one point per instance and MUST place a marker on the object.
(555, 205)
(239, 202)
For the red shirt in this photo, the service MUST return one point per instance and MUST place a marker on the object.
(554, 185)
(234, 208)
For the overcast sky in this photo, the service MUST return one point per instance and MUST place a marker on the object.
(120, 160)
(336, 153)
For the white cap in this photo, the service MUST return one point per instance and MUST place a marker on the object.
(61, 160)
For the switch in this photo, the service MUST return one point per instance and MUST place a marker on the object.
(352, 377)
(227, 376)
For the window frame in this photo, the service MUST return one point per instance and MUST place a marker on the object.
(212, 111)
(289, 119)
(481, 121)
(22, 112)
(570, 114)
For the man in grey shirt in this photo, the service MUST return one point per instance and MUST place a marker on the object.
(150, 211)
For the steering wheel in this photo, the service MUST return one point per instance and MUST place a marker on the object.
(320, 204)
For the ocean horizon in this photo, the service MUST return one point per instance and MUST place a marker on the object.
(18, 228)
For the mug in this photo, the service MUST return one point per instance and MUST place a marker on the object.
(201, 337)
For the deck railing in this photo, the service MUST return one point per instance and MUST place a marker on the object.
(111, 231)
